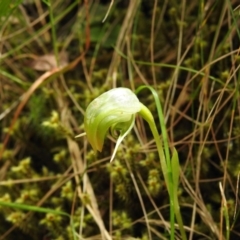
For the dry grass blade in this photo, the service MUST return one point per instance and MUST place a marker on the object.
(79, 167)
(126, 26)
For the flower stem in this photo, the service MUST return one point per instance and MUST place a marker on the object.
(147, 115)
(170, 166)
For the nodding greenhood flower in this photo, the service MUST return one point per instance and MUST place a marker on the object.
(114, 111)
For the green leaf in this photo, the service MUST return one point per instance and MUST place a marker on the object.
(38, 209)
(175, 169)
(32, 208)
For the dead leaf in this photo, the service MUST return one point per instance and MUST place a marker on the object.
(48, 62)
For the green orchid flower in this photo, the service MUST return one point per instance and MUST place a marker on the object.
(114, 111)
